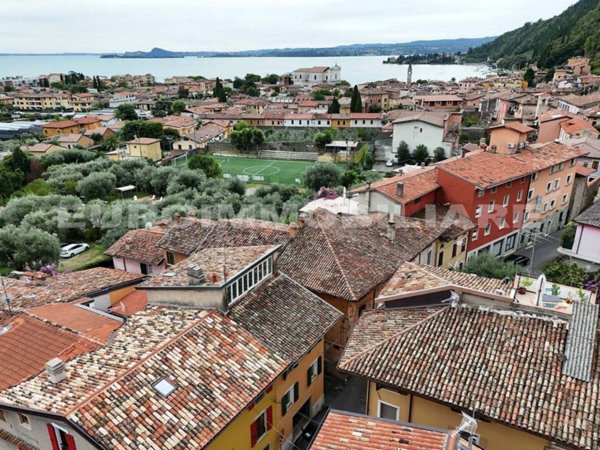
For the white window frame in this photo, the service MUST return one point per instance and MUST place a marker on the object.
(314, 370)
(552, 204)
(526, 217)
(475, 235)
(506, 200)
(502, 223)
(515, 216)
(569, 178)
(478, 211)
(491, 206)
(24, 423)
(545, 208)
(488, 230)
(480, 193)
(548, 186)
(494, 190)
(381, 402)
(565, 198)
(556, 184)
(520, 195)
(530, 194)
(534, 176)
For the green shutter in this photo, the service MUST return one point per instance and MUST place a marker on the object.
(284, 401)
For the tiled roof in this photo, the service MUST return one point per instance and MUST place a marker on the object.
(132, 303)
(416, 184)
(219, 265)
(516, 126)
(347, 431)
(430, 117)
(542, 156)
(140, 245)
(452, 221)
(343, 256)
(143, 141)
(27, 344)
(184, 235)
(86, 321)
(17, 443)
(503, 365)
(61, 124)
(268, 310)
(67, 287)
(411, 278)
(590, 216)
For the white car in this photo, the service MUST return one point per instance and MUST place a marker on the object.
(389, 163)
(72, 249)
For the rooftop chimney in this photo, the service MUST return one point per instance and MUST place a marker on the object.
(400, 189)
(391, 228)
(293, 230)
(176, 217)
(196, 276)
(56, 370)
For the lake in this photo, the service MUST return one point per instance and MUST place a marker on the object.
(355, 69)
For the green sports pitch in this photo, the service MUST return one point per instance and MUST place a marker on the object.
(255, 170)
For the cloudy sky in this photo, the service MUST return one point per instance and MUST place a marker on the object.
(120, 25)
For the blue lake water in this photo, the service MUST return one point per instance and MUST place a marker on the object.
(355, 69)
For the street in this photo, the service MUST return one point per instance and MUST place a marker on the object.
(545, 252)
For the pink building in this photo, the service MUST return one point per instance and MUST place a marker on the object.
(586, 246)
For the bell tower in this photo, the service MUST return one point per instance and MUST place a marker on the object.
(409, 75)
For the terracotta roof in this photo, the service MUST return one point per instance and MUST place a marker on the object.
(416, 184)
(132, 303)
(85, 321)
(143, 141)
(430, 117)
(140, 245)
(516, 126)
(269, 309)
(17, 443)
(218, 264)
(38, 148)
(590, 216)
(61, 124)
(345, 257)
(87, 120)
(542, 156)
(451, 220)
(575, 125)
(411, 278)
(348, 431)
(67, 287)
(504, 365)
(184, 235)
(28, 343)
(70, 138)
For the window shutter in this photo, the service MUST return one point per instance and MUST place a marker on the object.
(269, 418)
(71, 442)
(52, 434)
(296, 391)
(308, 376)
(284, 401)
(253, 434)
(319, 365)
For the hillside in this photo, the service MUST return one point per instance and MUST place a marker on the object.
(548, 42)
(407, 48)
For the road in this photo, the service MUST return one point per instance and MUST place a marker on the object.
(545, 252)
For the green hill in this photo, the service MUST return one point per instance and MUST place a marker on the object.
(548, 42)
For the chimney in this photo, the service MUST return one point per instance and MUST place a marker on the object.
(301, 222)
(400, 189)
(293, 230)
(176, 217)
(196, 276)
(391, 228)
(55, 368)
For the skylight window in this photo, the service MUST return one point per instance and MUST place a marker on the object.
(164, 387)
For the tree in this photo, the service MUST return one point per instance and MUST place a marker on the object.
(185, 179)
(322, 139)
(356, 105)
(334, 108)
(529, 77)
(439, 154)
(162, 108)
(487, 265)
(178, 107)
(126, 111)
(420, 154)
(246, 138)
(206, 164)
(374, 108)
(271, 79)
(567, 237)
(219, 91)
(27, 248)
(403, 153)
(142, 128)
(565, 273)
(97, 185)
(321, 175)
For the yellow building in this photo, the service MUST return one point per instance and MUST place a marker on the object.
(444, 342)
(145, 148)
(41, 149)
(51, 129)
(340, 121)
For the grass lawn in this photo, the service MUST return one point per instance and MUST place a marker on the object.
(263, 170)
(90, 258)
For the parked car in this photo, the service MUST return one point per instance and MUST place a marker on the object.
(521, 260)
(71, 250)
(389, 163)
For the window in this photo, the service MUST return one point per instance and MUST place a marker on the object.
(523, 179)
(494, 190)
(516, 217)
(530, 194)
(164, 387)
(491, 206)
(488, 230)
(506, 200)
(261, 425)
(475, 235)
(520, 195)
(545, 206)
(463, 245)
(502, 223)
(526, 216)
(569, 178)
(440, 259)
(24, 421)
(480, 193)
(429, 258)
(549, 187)
(2, 417)
(454, 250)
(534, 176)
(478, 211)
(556, 184)
(289, 398)
(560, 166)
(509, 184)
(314, 371)
(387, 411)
(60, 439)
(510, 242)
(552, 204)
(564, 199)
(170, 258)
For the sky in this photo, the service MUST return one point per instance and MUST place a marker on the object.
(47, 26)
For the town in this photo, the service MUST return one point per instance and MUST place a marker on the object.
(292, 261)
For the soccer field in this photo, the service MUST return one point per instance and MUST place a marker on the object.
(263, 170)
